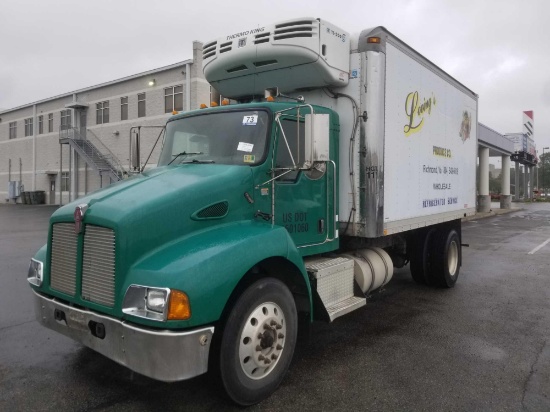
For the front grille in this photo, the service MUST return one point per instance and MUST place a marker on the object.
(63, 262)
(98, 265)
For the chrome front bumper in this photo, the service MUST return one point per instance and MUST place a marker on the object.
(163, 355)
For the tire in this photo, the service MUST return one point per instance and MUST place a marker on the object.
(258, 342)
(446, 258)
(420, 264)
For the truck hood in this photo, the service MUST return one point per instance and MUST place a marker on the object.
(156, 207)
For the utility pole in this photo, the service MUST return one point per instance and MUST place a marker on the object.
(543, 189)
(538, 167)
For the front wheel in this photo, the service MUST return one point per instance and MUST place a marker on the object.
(258, 341)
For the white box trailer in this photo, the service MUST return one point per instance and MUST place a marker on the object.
(414, 153)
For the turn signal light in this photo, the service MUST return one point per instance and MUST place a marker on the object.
(179, 307)
(375, 40)
(203, 106)
(225, 102)
(213, 104)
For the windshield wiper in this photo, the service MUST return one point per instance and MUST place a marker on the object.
(183, 154)
(197, 161)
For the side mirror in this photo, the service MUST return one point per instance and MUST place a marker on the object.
(135, 161)
(317, 130)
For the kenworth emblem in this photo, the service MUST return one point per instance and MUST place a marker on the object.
(79, 212)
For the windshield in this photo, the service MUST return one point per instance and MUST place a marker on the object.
(233, 138)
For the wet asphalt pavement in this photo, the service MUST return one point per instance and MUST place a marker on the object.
(483, 345)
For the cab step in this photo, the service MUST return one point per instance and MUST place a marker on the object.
(335, 285)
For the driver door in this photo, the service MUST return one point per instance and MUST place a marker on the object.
(302, 197)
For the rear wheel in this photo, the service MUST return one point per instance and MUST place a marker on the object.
(258, 341)
(446, 258)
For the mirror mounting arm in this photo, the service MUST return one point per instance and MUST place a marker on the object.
(276, 177)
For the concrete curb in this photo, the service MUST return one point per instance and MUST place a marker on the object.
(495, 212)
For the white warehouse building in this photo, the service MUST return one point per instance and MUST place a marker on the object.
(77, 142)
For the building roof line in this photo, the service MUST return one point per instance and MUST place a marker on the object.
(98, 86)
(490, 128)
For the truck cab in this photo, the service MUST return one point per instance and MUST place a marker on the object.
(158, 258)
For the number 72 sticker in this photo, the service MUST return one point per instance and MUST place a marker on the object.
(250, 120)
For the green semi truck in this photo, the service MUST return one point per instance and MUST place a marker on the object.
(338, 158)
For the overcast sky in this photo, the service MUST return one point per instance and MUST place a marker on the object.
(498, 48)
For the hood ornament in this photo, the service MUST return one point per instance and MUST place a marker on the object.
(79, 212)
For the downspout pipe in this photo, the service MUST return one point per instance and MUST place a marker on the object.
(34, 127)
(188, 87)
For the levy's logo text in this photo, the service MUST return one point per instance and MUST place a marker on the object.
(416, 110)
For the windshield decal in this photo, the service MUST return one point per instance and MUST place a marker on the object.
(245, 147)
(250, 120)
(249, 159)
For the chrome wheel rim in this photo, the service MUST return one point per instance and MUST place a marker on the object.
(452, 258)
(262, 340)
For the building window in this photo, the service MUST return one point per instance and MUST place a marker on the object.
(28, 127)
(65, 181)
(141, 105)
(40, 124)
(13, 130)
(65, 119)
(102, 112)
(50, 123)
(124, 108)
(173, 99)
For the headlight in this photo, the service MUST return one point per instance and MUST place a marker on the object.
(156, 299)
(156, 303)
(36, 272)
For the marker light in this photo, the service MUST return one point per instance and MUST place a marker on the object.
(213, 104)
(270, 99)
(178, 307)
(203, 106)
(225, 102)
(175, 112)
(375, 40)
